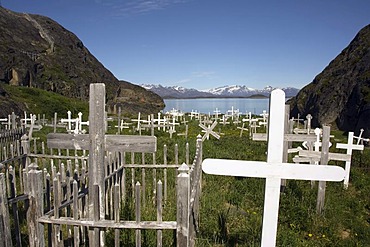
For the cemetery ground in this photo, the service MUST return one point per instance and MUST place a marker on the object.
(232, 207)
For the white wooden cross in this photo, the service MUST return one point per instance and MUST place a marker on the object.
(249, 119)
(122, 125)
(138, 120)
(264, 116)
(217, 113)
(6, 122)
(264, 119)
(309, 118)
(194, 114)
(209, 130)
(69, 121)
(241, 129)
(230, 113)
(274, 169)
(253, 128)
(360, 139)
(25, 120)
(161, 122)
(298, 120)
(349, 146)
(233, 113)
(80, 123)
(224, 120)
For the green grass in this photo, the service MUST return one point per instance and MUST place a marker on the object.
(232, 207)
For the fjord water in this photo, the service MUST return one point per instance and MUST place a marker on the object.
(209, 105)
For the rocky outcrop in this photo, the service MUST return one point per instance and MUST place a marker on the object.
(340, 94)
(36, 51)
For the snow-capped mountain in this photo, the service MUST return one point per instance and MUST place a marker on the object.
(234, 90)
(176, 91)
(225, 91)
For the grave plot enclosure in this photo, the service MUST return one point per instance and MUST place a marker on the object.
(100, 190)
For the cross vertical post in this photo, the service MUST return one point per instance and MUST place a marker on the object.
(97, 149)
(274, 155)
(349, 146)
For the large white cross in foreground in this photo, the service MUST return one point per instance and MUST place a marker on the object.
(274, 169)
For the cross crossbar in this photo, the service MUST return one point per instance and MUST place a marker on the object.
(126, 143)
(287, 137)
(260, 169)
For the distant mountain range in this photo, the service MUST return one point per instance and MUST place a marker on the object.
(233, 91)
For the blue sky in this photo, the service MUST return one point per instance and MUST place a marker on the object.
(209, 43)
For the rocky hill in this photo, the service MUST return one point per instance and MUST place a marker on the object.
(36, 51)
(340, 94)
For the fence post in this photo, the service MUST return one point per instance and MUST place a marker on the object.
(196, 185)
(25, 143)
(5, 235)
(36, 207)
(182, 231)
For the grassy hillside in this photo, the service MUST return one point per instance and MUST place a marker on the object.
(38, 101)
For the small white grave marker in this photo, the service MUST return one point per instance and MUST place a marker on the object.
(241, 129)
(349, 146)
(217, 113)
(209, 130)
(360, 139)
(274, 169)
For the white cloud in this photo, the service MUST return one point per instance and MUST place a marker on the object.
(196, 77)
(182, 82)
(204, 74)
(135, 7)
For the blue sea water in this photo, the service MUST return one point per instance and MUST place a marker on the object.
(209, 105)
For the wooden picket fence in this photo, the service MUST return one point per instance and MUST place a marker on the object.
(48, 190)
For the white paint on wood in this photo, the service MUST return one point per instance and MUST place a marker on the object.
(274, 169)
(209, 131)
(349, 146)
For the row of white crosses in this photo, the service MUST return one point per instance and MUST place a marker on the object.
(10, 122)
(274, 170)
(307, 125)
(78, 123)
(167, 123)
(264, 116)
(315, 154)
(233, 113)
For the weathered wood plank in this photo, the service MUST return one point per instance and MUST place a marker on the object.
(127, 143)
(36, 208)
(68, 141)
(131, 143)
(150, 225)
(182, 187)
(287, 137)
(317, 155)
(5, 233)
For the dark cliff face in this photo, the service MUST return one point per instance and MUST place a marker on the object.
(340, 94)
(35, 51)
